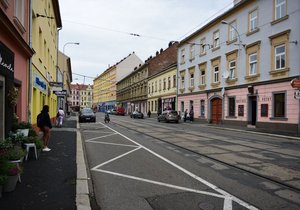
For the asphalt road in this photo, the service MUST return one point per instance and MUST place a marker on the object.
(143, 164)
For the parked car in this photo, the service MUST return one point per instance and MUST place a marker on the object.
(137, 114)
(87, 115)
(169, 116)
(113, 111)
(120, 111)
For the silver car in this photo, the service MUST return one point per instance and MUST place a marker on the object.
(169, 116)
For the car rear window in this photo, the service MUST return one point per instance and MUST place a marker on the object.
(174, 112)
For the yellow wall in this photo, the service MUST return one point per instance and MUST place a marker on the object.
(44, 61)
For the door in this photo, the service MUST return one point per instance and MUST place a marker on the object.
(216, 110)
(253, 109)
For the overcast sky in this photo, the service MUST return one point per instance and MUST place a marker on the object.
(103, 27)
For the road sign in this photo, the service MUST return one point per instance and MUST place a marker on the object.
(295, 83)
(297, 94)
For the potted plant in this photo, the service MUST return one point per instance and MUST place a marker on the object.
(23, 127)
(12, 171)
(16, 153)
(3, 180)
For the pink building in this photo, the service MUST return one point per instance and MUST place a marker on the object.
(15, 53)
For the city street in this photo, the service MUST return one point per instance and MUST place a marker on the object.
(143, 164)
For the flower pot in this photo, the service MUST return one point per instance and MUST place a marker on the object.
(11, 183)
(24, 131)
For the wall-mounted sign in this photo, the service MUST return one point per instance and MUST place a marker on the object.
(60, 93)
(39, 82)
(297, 94)
(295, 83)
(56, 84)
(7, 58)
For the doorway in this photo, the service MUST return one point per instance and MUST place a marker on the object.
(252, 116)
(216, 110)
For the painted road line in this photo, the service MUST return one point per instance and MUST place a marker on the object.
(161, 183)
(109, 161)
(114, 144)
(219, 190)
(100, 137)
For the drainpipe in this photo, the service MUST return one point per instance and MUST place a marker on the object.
(30, 63)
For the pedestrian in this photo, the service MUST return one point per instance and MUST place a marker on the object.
(149, 113)
(45, 126)
(60, 117)
(185, 115)
(192, 114)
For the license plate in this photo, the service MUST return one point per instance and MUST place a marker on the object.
(88, 118)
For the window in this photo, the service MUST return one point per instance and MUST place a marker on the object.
(253, 63)
(231, 105)
(216, 39)
(253, 21)
(182, 107)
(155, 86)
(202, 76)
(159, 86)
(202, 46)
(216, 74)
(192, 51)
(165, 84)
(169, 83)
(182, 82)
(280, 57)
(192, 80)
(202, 108)
(280, 9)
(232, 69)
(182, 56)
(19, 10)
(174, 80)
(279, 104)
(232, 32)
(152, 87)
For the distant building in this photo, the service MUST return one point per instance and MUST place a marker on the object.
(104, 93)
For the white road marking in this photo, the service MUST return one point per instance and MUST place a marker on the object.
(100, 142)
(95, 131)
(109, 161)
(100, 137)
(161, 183)
(228, 198)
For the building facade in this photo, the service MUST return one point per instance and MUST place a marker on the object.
(132, 90)
(237, 68)
(86, 96)
(105, 84)
(162, 89)
(46, 22)
(15, 54)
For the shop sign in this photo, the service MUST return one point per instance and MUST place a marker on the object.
(297, 94)
(6, 60)
(60, 93)
(40, 83)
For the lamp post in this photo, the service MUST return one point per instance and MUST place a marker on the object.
(234, 28)
(63, 77)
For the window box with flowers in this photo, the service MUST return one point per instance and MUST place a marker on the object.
(12, 171)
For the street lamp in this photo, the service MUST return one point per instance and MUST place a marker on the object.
(76, 43)
(239, 37)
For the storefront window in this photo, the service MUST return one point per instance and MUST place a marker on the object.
(202, 108)
(231, 106)
(279, 104)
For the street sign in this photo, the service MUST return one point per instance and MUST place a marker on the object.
(295, 83)
(56, 84)
(297, 94)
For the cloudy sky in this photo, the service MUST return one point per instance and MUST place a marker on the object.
(103, 28)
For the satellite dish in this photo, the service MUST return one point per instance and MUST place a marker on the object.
(225, 74)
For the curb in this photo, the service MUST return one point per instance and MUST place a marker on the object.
(82, 189)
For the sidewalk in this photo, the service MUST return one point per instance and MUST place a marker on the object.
(50, 181)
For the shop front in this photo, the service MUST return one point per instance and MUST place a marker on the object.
(8, 94)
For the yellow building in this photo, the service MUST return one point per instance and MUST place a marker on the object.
(104, 91)
(46, 21)
(86, 96)
(162, 90)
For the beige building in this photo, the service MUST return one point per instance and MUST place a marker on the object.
(105, 84)
(162, 90)
(86, 96)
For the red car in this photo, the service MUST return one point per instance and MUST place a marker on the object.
(121, 111)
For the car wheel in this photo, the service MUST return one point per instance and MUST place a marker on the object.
(158, 120)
